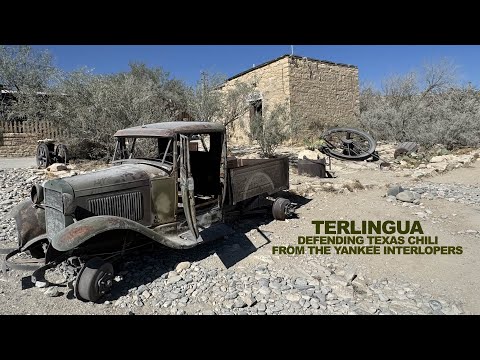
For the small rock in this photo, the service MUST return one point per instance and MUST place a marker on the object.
(383, 297)
(394, 190)
(141, 289)
(41, 284)
(326, 290)
(275, 285)
(435, 305)
(418, 174)
(228, 304)
(173, 279)
(309, 154)
(437, 159)
(249, 300)
(264, 290)
(263, 282)
(320, 296)
(239, 303)
(57, 167)
(344, 292)
(407, 196)
(262, 307)
(300, 281)
(294, 297)
(232, 295)
(31, 178)
(350, 274)
(52, 291)
(455, 310)
(421, 215)
(184, 265)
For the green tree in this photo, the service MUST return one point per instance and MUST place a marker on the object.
(30, 75)
(211, 100)
(95, 106)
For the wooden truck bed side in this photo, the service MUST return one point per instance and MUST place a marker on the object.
(252, 177)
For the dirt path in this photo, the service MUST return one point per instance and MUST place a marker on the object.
(453, 276)
(23, 162)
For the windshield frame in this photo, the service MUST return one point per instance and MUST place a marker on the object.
(125, 150)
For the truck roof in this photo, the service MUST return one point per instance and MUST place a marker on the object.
(170, 128)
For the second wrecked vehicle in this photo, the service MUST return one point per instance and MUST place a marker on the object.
(170, 182)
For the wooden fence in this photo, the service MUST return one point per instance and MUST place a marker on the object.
(42, 128)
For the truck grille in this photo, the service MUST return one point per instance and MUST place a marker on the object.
(129, 205)
(55, 221)
(54, 199)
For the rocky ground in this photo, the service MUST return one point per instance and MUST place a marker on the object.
(241, 275)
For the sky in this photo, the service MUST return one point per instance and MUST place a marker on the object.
(186, 62)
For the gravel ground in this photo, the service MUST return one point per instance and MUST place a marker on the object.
(239, 275)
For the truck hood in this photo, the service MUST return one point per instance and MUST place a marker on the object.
(120, 177)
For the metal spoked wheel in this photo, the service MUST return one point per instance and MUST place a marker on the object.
(61, 154)
(94, 280)
(43, 155)
(348, 144)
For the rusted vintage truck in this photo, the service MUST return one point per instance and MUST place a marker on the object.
(169, 182)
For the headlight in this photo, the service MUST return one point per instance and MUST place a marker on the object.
(36, 194)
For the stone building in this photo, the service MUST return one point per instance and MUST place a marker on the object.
(315, 91)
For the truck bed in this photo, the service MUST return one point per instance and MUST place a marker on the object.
(248, 178)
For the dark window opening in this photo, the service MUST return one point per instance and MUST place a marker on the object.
(255, 109)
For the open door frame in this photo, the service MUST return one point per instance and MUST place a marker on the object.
(187, 185)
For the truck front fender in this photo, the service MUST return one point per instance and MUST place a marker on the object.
(76, 234)
(29, 219)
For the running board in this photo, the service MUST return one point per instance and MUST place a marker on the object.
(212, 233)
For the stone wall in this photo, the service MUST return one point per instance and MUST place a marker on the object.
(272, 84)
(323, 94)
(17, 145)
(314, 91)
(19, 138)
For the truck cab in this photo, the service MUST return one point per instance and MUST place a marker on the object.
(192, 155)
(169, 182)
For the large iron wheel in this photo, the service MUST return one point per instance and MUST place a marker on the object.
(94, 280)
(348, 144)
(43, 155)
(61, 154)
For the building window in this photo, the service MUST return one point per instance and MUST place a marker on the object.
(255, 109)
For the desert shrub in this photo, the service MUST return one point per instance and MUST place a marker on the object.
(425, 107)
(271, 129)
(86, 149)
